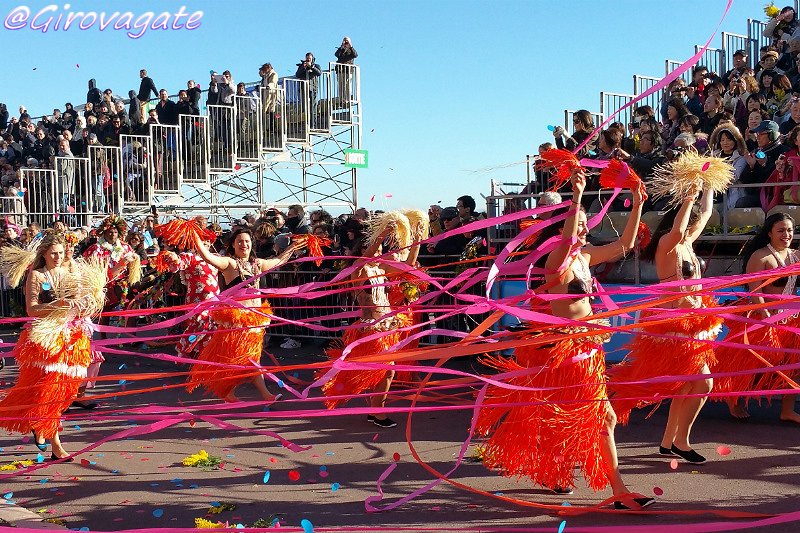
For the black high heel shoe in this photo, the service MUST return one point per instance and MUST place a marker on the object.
(43, 446)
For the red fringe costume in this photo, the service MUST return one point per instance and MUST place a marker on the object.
(236, 347)
(556, 429)
(790, 341)
(49, 377)
(353, 382)
(683, 353)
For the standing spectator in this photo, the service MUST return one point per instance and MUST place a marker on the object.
(146, 86)
(66, 177)
(194, 93)
(308, 70)
(454, 244)
(119, 112)
(135, 110)
(224, 89)
(345, 55)
(3, 116)
(788, 61)
(761, 164)
(185, 105)
(69, 118)
(93, 95)
(294, 219)
(166, 109)
(269, 95)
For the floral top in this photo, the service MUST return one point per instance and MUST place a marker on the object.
(199, 277)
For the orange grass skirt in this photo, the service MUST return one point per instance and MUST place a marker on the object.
(49, 378)
(353, 382)
(236, 347)
(731, 359)
(683, 353)
(557, 429)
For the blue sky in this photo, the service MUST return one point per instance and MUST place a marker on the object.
(449, 87)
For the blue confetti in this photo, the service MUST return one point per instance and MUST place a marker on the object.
(115, 471)
(566, 504)
(84, 528)
(39, 458)
(101, 455)
(176, 480)
(280, 383)
(307, 526)
(335, 487)
(215, 504)
(274, 522)
(123, 366)
(192, 338)
(239, 526)
(759, 155)
(122, 382)
(46, 286)
(229, 455)
(592, 153)
(323, 468)
(194, 486)
(295, 374)
(329, 453)
(266, 476)
(561, 526)
(77, 427)
(154, 484)
(551, 128)
(158, 513)
(45, 480)
(8, 495)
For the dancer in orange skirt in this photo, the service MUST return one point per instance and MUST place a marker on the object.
(52, 351)
(376, 316)
(569, 422)
(239, 334)
(768, 250)
(685, 350)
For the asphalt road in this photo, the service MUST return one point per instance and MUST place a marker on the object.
(140, 482)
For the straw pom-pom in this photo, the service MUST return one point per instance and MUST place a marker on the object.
(402, 228)
(771, 10)
(14, 262)
(181, 233)
(313, 245)
(562, 161)
(165, 262)
(134, 269)
(681, 179)
(418, 220)
(618, 175)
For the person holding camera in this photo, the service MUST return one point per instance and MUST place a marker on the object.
(309, 70)
(223, 87)
(582, 127)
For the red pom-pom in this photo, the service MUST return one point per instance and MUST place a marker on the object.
(313, 244)
(181, 233)
(562, 161)
(618, 175)
(164, 262)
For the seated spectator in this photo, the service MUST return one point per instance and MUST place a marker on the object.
(761, 164)
(787, 170)
(712, 114)
(753, 120)
(119, 112)
(789, 60)
(728, 143)
(735, 97)
(768, 61)
(740, 67)
(778, 91)
(583, 126)
(793, 120)
(696, 91)
(676, 110)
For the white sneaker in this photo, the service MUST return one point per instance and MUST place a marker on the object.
(290, 344)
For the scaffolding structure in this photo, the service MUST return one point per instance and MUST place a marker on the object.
(269, 147)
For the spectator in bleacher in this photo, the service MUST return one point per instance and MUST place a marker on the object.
(361, 214)
(146, 86)
(269, 93)
(185, 106)
(582, 127)
(727, 142)
(80, 125)
(630, 143)
(454, 244)
(761, 164)
(696, 90)
(119, 112)
(712, 114)
(166, 109)
(787, 169)
(224, 89)
(676, 110)
(3, 116)
(134, 110)
(116, 129)
(793, 120)
(310, 71)
(93, 95)
(734, 98)
(89, 111)
(108, 100)
(782, 26)
(787, 62)
(103, 130)
(194, 93)
(740, 67)
(43, 149)
(776, 88)
(647, 157)
(7, 152)
(768, 61)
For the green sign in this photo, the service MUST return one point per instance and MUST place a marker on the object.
(356, 158)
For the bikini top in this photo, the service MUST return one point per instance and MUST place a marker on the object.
(787, 283)
(582, 281)
(689, 270)
(247, 270)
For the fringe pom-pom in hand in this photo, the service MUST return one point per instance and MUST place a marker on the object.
(681, 179)
(771, 10)
(563, 161)
(181, 233)
(164, 262)
(313, 244)
(618, 175)
(643, 236)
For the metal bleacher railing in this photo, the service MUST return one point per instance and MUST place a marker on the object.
(140, 170)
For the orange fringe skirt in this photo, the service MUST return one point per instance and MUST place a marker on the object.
(684, 352)
(49, 378)
(353, 382)
(555, 429)
(236, 347)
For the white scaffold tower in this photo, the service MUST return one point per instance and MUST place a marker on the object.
(270, 148)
